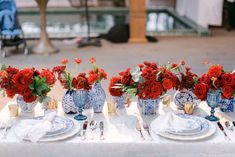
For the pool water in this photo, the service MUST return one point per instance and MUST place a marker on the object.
(69, 24)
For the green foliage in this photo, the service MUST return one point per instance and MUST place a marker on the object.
(39, 87)
(4, 67)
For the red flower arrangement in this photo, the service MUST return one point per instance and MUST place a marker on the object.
(67, 81)
(96, 74)
(28, 82)
(147, 81)
(216, 79)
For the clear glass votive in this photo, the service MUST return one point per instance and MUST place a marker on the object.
(166, 100)
(13, 110)
(189, 108)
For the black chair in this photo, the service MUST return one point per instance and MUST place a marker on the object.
(11, 33)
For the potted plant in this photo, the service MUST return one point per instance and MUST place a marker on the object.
(73, 84)
(29, 84)
(97, 95)
(214, 85)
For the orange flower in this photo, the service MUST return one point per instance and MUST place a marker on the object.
(3, 74)
(78, 60)
(64, 61)
(215, 71)
(92, 60)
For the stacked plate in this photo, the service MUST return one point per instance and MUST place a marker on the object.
(198, 128)
(62, 128)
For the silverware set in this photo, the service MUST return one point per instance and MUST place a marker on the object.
(145, 126)
(93, 125)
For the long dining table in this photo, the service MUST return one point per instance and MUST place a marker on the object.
(121, 139)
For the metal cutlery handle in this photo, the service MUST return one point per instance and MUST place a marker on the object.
(222, 129)
(141, 134)
(102, 135)
(83, 134)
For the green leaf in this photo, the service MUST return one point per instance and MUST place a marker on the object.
(4, 67)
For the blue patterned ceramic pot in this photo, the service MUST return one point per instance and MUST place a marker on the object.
(213, 99)
(119, 100)
(227, 105)
(97, 98)
(68, 104)
(24, 106)
(149, 106)
(183, 96)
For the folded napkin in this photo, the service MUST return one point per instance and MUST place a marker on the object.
(34, 129)
(170, 122)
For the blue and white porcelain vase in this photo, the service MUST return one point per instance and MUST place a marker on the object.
(24, 106)
(227, 105)
(183, 96)
(149, 106)
(119, 100)
(97, 97)
(68, 104)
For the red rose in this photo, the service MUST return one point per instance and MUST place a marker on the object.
(126, 77)
(103, 74)
(227, 92)
(93, 77)
(23, 78)
(150, 90)
(50, 77)
(228, 79)
(201, 90)
(115, 91)
(215, 71)
(182, 62)
(92, 60)
(29, 98)
(167, 84)
(149, 73)
(173, 65)
(78, 60)
(205, 79)
(58, 69)
(81, 82)
(64, 61)
(10, 93)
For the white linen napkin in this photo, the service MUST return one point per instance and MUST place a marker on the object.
(34, 129)
(170, 121)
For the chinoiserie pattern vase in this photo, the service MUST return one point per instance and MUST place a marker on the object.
(68, 104)
(227, 105)
(149, 106)
(183, 96)
(24, 106)
(97, 98)
(119, 100)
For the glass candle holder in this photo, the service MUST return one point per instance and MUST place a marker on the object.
(189, 108)
(166, 100)
(111, 108)
(13, 110)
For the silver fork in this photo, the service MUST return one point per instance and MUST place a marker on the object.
(146, 127)
(138, 128)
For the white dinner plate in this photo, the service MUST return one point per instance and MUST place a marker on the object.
(209, 132)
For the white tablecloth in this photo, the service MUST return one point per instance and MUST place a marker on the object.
(203, 12)
(121, 140)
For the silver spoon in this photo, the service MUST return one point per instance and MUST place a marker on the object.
(101, 126)
(146, 127)
(93, 126)
(138, 128)
(229, 127)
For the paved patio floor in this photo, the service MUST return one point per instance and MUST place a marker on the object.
(220, 49)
